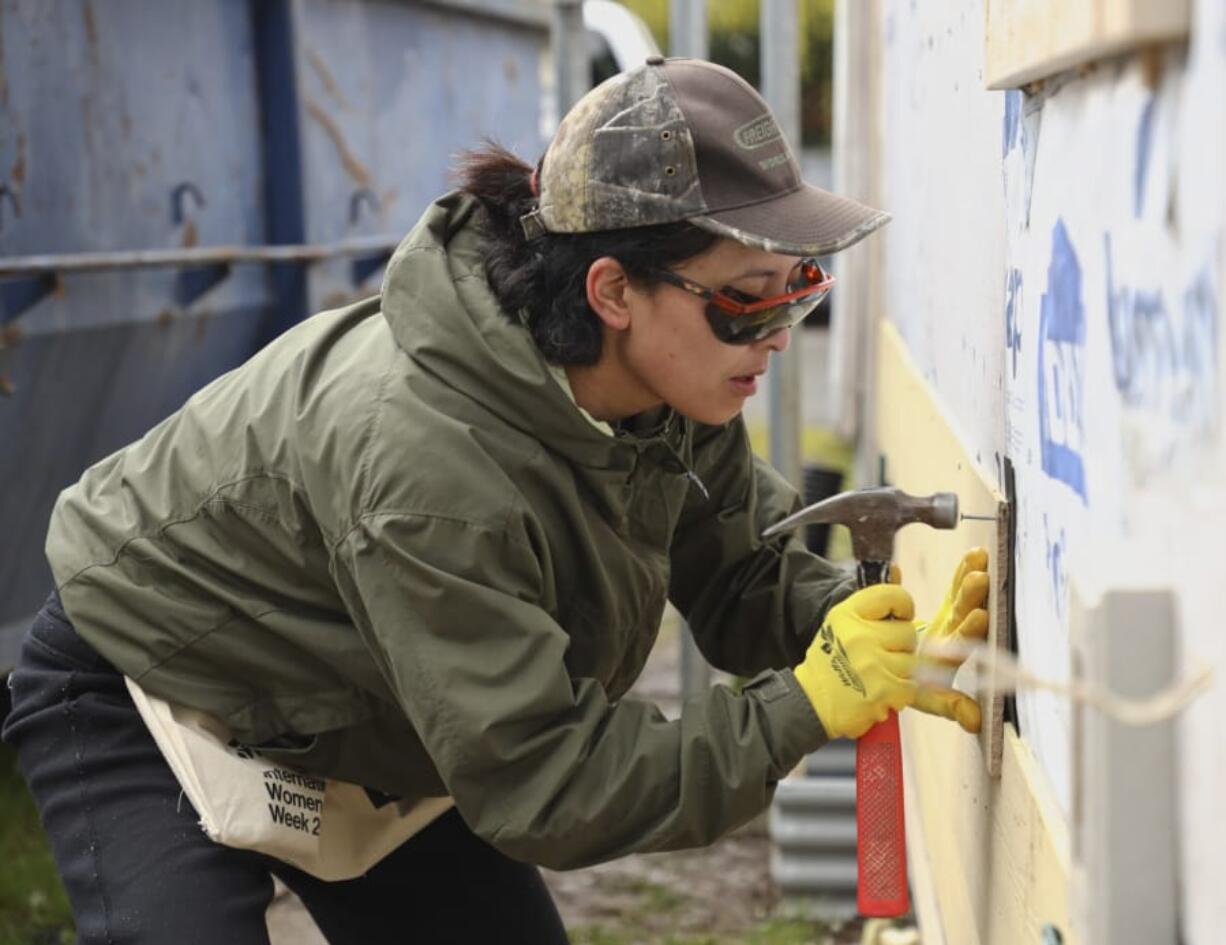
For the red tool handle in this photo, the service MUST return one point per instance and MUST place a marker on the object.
(881, 831)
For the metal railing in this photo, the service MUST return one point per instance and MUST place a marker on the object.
(63, 263)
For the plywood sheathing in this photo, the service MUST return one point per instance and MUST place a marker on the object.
(988, 846)
(923, 455)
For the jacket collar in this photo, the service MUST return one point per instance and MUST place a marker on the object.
(445, 318)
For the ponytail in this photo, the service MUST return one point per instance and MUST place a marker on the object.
(545, 281)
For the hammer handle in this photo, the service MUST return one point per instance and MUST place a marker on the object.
(872, 572)
(881, 838)
(881, 831)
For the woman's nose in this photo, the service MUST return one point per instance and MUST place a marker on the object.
(777, 340)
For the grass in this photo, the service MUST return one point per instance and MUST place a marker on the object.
(33, 907)
(653, 911)
(770, 932)
(654, 897)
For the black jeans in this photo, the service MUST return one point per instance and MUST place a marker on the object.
(138, 868)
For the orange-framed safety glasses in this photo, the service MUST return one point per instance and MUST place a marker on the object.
(738, 318)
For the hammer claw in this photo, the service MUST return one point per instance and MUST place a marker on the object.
(874, 515)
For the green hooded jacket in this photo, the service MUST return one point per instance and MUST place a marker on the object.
(390, 549)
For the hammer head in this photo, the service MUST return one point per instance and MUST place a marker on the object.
(873, 516)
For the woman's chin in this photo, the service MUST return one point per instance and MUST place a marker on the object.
(712, 415)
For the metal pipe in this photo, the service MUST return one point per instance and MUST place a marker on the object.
(572, 68)
(781, 89)
(687, 36)
(181, 258)
(515, 12)
(687, 28)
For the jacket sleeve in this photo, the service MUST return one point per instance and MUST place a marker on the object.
(751, 604)
(540, 764)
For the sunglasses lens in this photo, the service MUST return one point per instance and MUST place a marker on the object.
(746, 329)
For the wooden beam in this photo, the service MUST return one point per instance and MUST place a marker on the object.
(990, 856)
(1033, 39)
(924, 900)
(988, 845)
(924, 455)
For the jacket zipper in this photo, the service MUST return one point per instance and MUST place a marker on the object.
(685, 467)
(662, 436)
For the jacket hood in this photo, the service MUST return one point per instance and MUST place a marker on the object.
(445, 318)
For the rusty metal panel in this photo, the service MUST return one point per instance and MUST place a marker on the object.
(180, 130)
(123, 125)
(389, 94)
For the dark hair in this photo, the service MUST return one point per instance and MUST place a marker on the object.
(547, 278)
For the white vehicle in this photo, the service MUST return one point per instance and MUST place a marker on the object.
(616, 38)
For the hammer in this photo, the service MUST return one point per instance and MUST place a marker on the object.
(873, 516)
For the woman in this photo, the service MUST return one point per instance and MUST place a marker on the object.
(423, 544)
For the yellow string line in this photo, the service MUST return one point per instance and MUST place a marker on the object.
(1011, 677)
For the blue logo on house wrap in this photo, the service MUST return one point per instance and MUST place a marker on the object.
(1013, 311)
(1062, 341)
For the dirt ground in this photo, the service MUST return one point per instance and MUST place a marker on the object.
(722, 890)
(719, 893)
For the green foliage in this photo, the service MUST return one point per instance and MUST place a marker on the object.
(771, 932)
(33, 907)
(654, 897)
(652, 911)
(733, 27)
(598, 935)
(788, 932)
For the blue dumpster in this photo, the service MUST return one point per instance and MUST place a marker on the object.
(181, 180)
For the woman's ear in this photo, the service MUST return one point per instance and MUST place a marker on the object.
(607, 287)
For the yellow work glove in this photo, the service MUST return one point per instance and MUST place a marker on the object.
(860, 662)
(962, 618)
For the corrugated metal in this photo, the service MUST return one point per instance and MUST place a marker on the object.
(813, 818)
(834, 759)
(813, 830)
(130, 128)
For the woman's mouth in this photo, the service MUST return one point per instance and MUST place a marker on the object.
(745, 384)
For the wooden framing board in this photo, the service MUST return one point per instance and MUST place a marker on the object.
(989, 855)
(923, 455)
(924, 900)
(1033, 39)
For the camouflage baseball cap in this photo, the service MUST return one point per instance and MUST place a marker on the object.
(685, 139)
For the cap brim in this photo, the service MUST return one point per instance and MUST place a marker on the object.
(808, 221)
